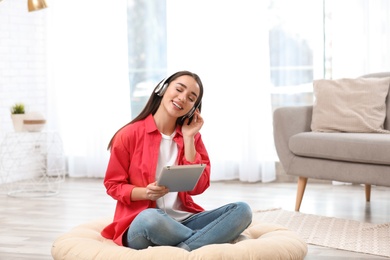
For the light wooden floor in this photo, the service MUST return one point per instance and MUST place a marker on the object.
(30, 225)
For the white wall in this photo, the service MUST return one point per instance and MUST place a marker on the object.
(23, 62)
(61, 60)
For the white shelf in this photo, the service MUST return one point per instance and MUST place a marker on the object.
(32, 164)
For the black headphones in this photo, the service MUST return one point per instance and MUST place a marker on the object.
(162, 87)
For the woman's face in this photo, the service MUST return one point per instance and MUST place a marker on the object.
(180, 96)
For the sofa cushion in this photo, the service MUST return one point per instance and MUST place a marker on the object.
(353, 147)
(350, 105)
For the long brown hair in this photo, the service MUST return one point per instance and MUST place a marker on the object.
(155, 101)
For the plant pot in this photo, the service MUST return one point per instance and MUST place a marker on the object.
(17, 120)
(34, 122)
(34, 125)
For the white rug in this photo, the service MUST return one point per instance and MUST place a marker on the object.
(337, 233)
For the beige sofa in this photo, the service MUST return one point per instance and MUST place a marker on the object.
(362, 158)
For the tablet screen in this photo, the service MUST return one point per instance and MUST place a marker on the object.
(180, 177)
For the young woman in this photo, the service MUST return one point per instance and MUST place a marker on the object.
(164, 133)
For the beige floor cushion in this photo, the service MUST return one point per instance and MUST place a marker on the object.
(259, 241)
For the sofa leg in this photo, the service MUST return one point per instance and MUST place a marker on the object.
(302, 181)
(368, 192)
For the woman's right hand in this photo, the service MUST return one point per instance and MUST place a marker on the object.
(154, 192)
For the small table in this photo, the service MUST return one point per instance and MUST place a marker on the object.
(32, 164)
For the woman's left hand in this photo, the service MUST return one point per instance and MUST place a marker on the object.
(193, 128)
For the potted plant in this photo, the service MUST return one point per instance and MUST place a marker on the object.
(17, 115)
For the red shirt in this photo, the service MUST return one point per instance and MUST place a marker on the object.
(133, 162)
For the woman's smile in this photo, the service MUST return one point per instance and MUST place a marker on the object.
(176, 104)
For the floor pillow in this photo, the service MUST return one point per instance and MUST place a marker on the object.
(258, 241)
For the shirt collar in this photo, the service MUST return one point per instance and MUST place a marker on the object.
(151, 126)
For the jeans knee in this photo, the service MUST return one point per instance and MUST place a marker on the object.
(245, 212)
(148, 219)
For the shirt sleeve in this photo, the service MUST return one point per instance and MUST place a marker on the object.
(201, 157)
(116, 179)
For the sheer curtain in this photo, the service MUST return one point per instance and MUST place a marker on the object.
(226, 43)
(360, 44)
(89, 92)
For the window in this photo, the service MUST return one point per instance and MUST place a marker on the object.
(295, 46)
(296, 50)
(304, 44)
(147, 44)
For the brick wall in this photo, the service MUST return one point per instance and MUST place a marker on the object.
(23, 60)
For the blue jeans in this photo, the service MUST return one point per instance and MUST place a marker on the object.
(153, 227)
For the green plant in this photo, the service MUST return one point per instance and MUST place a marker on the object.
(18, 108)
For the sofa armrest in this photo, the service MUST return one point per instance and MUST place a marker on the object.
(288, 121)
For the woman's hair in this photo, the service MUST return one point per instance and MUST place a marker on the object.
(155, 100)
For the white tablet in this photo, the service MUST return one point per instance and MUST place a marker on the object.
(180, 177)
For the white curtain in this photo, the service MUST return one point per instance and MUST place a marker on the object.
(89, 92)
(360, 37)
(226, 43)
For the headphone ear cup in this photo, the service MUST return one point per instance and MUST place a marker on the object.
(160, 89)
(191, 113)
(163, 89)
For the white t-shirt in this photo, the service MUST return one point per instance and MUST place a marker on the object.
(167, 157)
